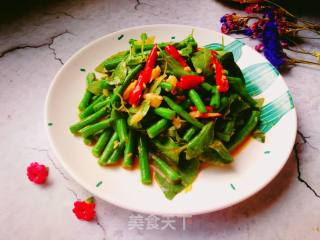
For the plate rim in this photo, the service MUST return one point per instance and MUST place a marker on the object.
(95, 191)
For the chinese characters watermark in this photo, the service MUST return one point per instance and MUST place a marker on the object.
(138, 221)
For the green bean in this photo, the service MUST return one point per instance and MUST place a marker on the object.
(121, 128)
(109, 149)
(113, 63)
(245, 131)
(145, 173)
(196, 99)
(120, 89)
(150, 46)
(89, 110)
(206, 86)
(166, 113)
(189, 134)
(129, 150)
(87, 95)
(115, 156)
(170, 173)
(88, 141)
(223, 136)
(157, 128)
(237, 86)
(215, 98)
(187, 103)
(92, 129)
(88, 120)
(223, 103)
(85, 100)
(179, 110)
(166, 86)
(100, 105)
(102, 142)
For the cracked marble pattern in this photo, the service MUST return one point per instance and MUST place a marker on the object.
(35, 44)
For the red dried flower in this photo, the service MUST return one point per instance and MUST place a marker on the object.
(252, 8)
(85, 210)
(259, 47)
(37, 173)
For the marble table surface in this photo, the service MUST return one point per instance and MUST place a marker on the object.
(37, 40)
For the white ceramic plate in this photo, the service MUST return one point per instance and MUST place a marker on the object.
(215, 188)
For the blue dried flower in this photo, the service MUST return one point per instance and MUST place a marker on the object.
(248, 31)
(271, 40)
(223, 19)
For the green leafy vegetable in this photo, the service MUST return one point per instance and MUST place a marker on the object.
(202, 62)
(119, 74)
(201, 141)
(188, 171)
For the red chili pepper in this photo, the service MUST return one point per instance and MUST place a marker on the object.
(190, 81)
(209, 114)
(221, 79)
(176, 55)
(144, 77)
(213, 52)
(208, 108)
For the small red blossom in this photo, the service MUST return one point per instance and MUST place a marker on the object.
(259, 47)
(252, 8)
(85, 210)
(37, 173)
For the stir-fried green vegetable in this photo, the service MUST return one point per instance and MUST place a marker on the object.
(170, 106)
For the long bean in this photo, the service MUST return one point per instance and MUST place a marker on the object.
(166, 113)
(90, 109)
(245, 131)
(129, 150)
(169, 172)
(157, 128)
(90, 119)
(115, 156)
(179, 110)
(109, 149)
(100, 105)
(215, 98)
(206, 86)
(187, 103)
(145, 173)
(121, 128)
(92, 129)
(102, 142)
(196, 99)
(88, 141)
(87, 95)
(166, 86)
(189, 134)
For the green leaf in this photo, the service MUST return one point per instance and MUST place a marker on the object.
(216, 153)
(143, 37)
(169, 148)
(96, 87)
(202, 61)
(188, 171)
(189, 40)
(186, 51)
(119, 74)
(200, 142)
(114, 58)
(174, 67)
(134, 60)
(229, 64)
(138, 113)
